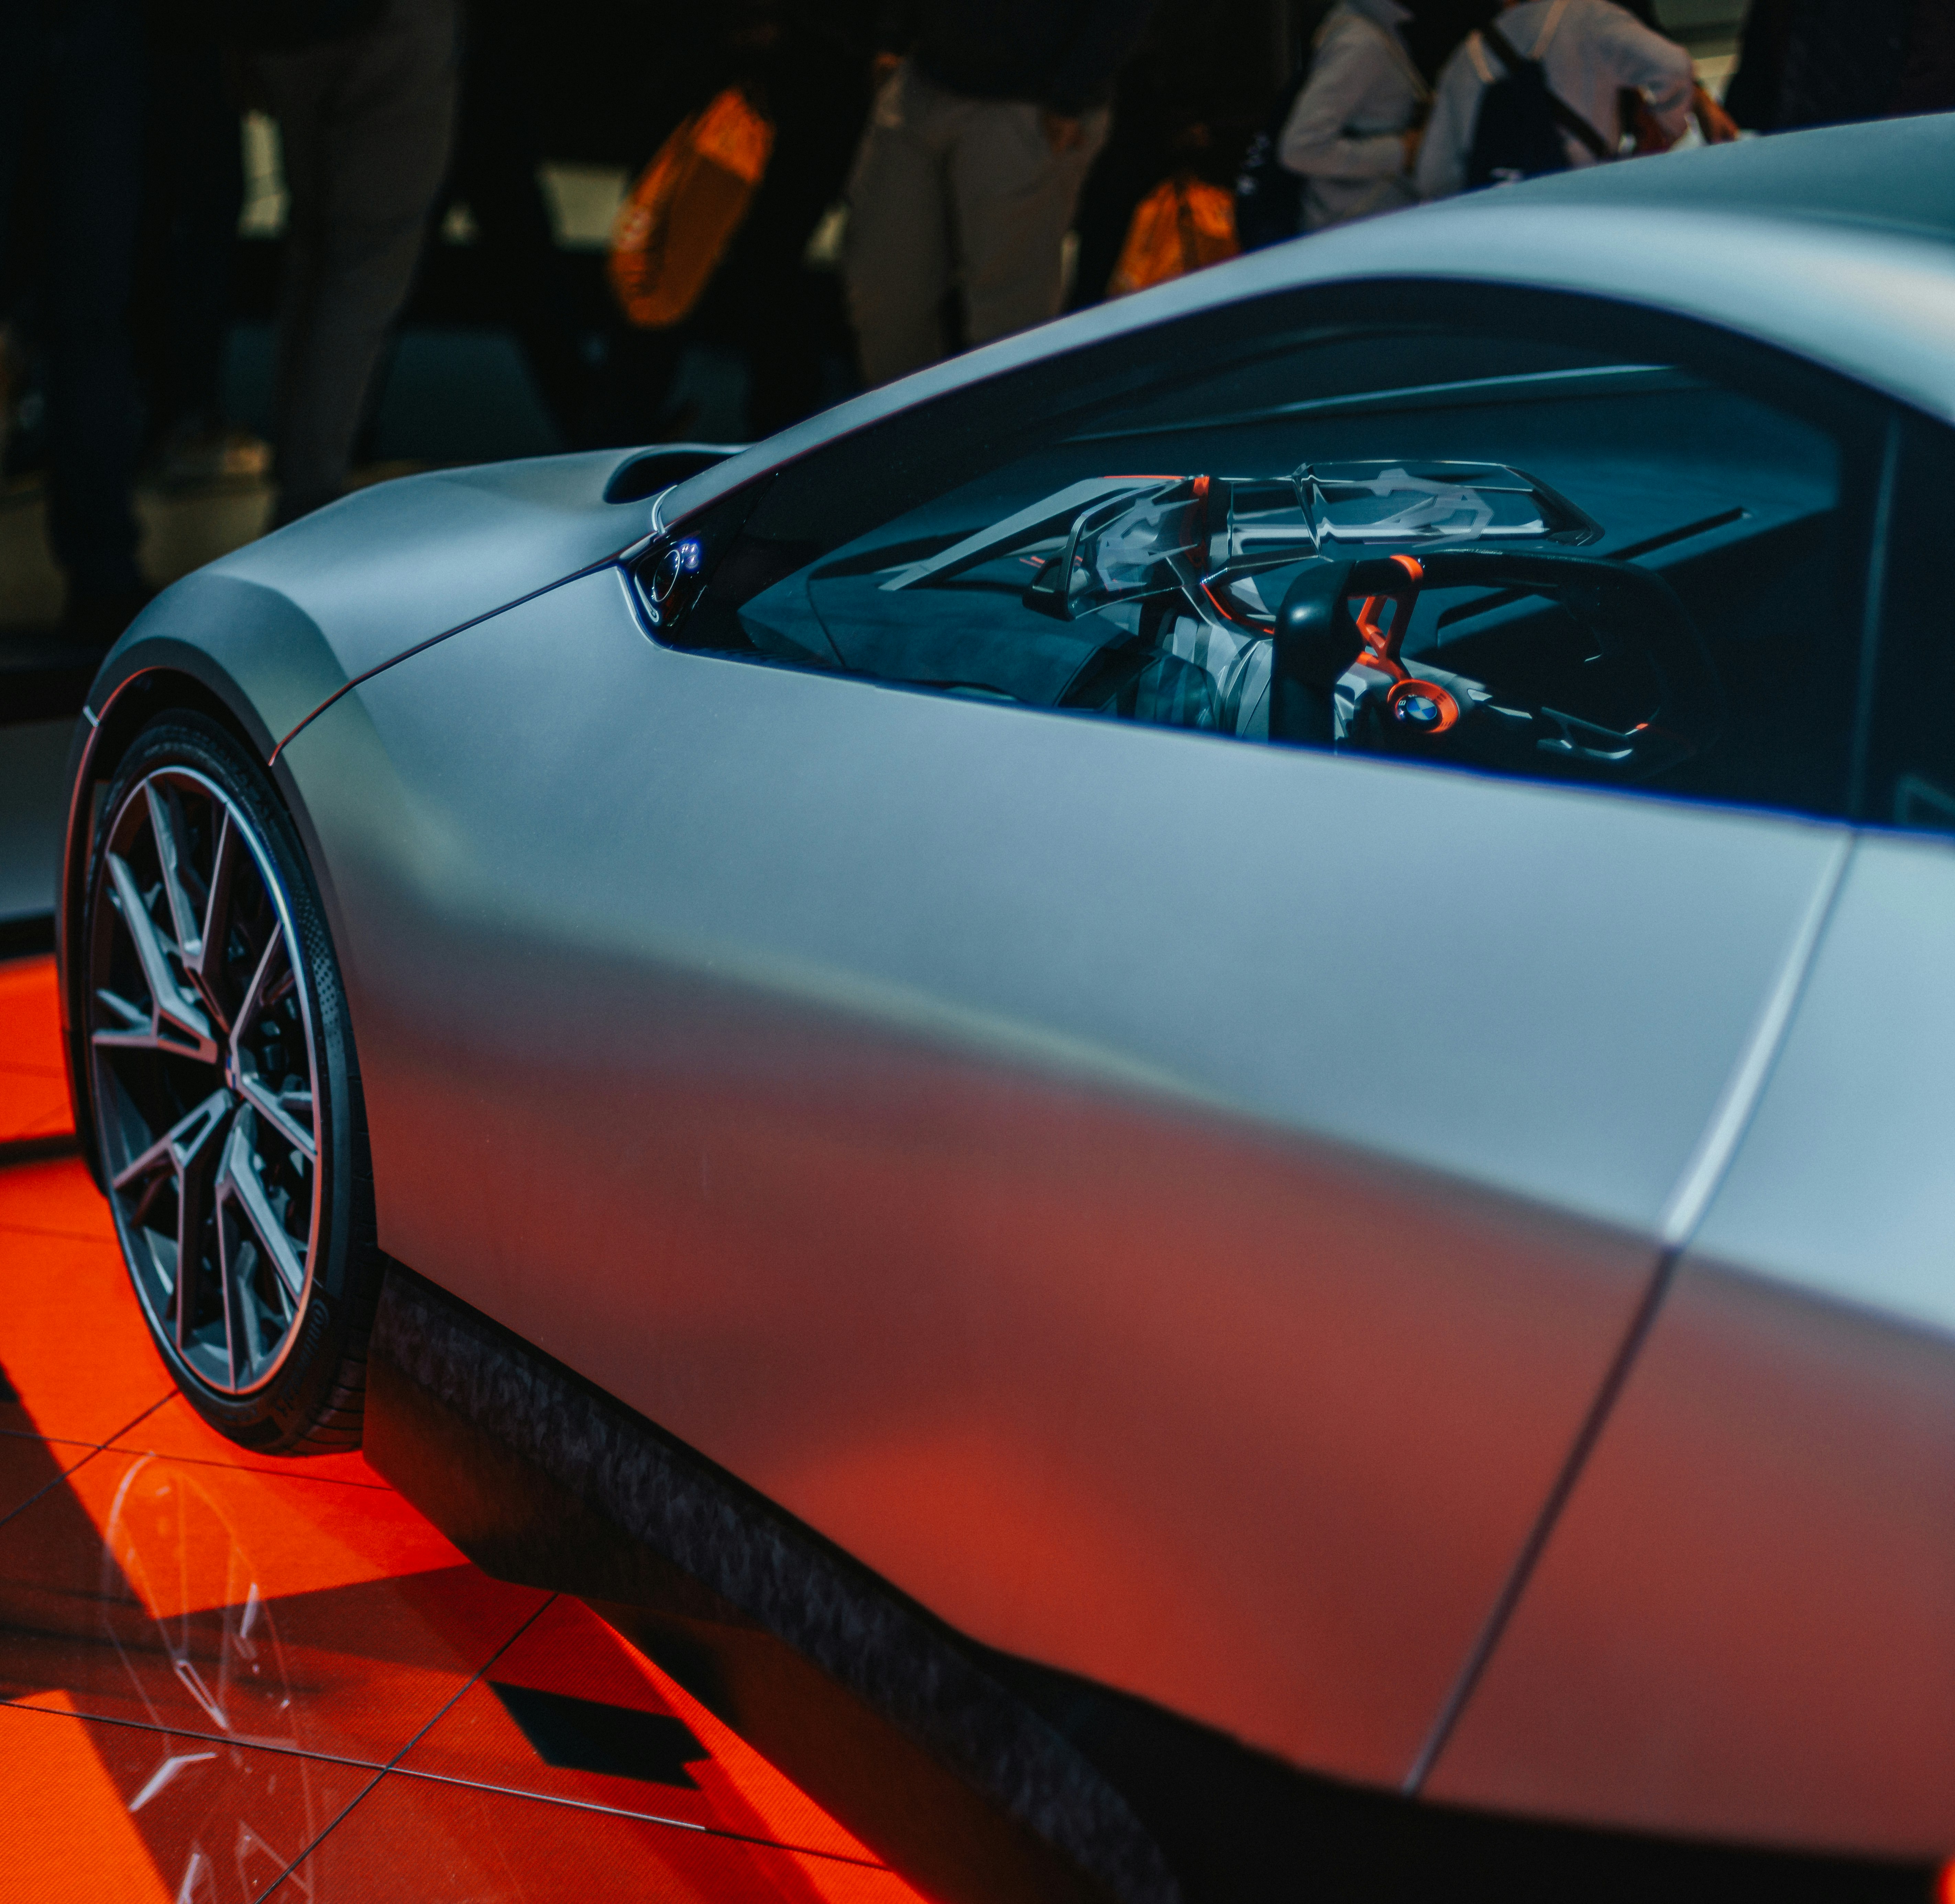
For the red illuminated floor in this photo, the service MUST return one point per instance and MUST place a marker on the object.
(225, 1676)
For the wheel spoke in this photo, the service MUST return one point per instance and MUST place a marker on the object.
(223, 865)
(272, 1109)
(207, 969)
(132, 1016)
(254, 993)
(166, 822)
(140, 1041)
(180, 1143)
(170, 1002)
(195, 1167)
(241, 1176)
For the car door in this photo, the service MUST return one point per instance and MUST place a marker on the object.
(1167, 1202)
(1745, 1623)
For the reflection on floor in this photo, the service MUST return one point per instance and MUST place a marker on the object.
(225, 1676)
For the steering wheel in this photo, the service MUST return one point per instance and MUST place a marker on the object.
(1339, 679)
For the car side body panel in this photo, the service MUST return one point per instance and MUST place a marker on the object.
(1166, 1205)
(288, 620)
(1745, 1623)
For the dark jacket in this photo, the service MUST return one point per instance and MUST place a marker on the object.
(1059, 54)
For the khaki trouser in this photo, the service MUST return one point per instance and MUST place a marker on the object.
(947, 189)
(364, 126)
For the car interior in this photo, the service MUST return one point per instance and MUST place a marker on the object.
(1168, 561)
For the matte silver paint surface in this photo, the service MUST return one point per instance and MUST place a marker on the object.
(1845, 1184)
(1746, 1624)
(1166, 1203)
(284, 622)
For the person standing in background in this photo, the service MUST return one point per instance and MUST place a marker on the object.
(970, 169)
(365, 100)
(1827, 62)
(72, 87)
(498, 149)
(1591, 51)
(194, 189)
(1190, 100)
(1353, 133)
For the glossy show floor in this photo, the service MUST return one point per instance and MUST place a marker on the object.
(224, 1676)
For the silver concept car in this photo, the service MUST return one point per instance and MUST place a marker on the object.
(1186, 1096)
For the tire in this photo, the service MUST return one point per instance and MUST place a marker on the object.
(226, 1093)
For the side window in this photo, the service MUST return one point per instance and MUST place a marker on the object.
(1522, 534)
(1907, 762)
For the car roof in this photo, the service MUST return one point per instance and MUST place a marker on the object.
(1837, 245)
(1896, 175)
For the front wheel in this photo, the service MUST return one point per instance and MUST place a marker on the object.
(225, 1094)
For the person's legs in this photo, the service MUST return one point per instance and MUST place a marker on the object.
(95, 128)
(200, 241)
(497, 150)
(297, 87)
(370, 122)
(897, 266)
(1015, 198)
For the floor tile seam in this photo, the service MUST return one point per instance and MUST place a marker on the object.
(447, 1706)
(12, 1512)
(359, 1798)
(244, 1741)
(480, 1673)
(142, 1415)
(643, 1818)
(243, 1467)
(52, 1440)
(103, 1447)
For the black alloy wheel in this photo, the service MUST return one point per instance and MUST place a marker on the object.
(225, 1095)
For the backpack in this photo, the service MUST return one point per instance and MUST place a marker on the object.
(1181, 225)
(1517, 132)
(673, 230)
(1269, 197)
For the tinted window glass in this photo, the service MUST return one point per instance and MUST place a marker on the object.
(1908, 766)
(1524, 535)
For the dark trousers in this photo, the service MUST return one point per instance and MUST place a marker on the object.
(365, 125)
(497, 149)
(71, 85)
(197, 180)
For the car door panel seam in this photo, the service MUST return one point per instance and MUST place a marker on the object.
(1683, 1211)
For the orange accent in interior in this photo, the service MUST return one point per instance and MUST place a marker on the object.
(1945, 1883)
(1448, 708)
(1234, 616)
(1381, 645)
(1201, 487)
